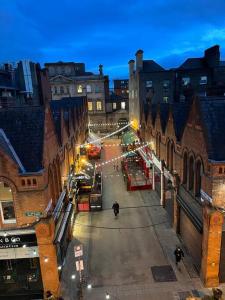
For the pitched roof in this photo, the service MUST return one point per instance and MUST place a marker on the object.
(151, 66)
(64, 105)
(180, 114)
(212, 115)
(24, 128)
(192, 63)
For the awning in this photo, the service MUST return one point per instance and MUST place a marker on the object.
(129, 137)
(92, 139)
(64, 223)
(59, 205)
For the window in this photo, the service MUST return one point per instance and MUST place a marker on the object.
(34, 181)
(123, 105)
(182, 98)
(61, 90)
(68, 90)
(55, 89)
(203, 80)
(165, 99)
(90, 105)
(33, 263)
(99, 105)
(166, 83)
(97, 89)
(148, 83)
(6, 204)
(186, 81)
(9, 266)
(79, 89)
(23, 182)
(88, 87)
(114, 105)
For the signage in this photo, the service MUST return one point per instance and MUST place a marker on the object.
(79, 265)
(33, 214)
(205, 197)
(28, 252)
(78, 251)
(17, 241)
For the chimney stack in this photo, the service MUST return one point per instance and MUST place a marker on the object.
(139, 59)
(131, 67)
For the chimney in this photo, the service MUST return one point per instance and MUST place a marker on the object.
(139, 59)
(131, 66)
(212, 56)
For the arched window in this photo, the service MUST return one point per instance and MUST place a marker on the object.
(168, 154)
(198, 179)
(6, 204)
(185, 168)
(171, 155)
(191, 173)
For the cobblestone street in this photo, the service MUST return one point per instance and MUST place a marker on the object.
(119, 253)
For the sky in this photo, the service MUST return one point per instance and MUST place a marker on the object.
(110, 32)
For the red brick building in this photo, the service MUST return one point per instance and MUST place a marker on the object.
(38, 151)
(188, 171)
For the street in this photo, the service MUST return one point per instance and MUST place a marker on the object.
(120, 252)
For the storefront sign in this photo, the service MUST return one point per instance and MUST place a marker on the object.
(205, 197)
(28, 252)
(79, 265)
(37, 214)
(17, 241)
(78, 251)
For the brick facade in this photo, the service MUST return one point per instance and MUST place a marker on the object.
(198, 179)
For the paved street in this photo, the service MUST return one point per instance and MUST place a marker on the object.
(119, 253)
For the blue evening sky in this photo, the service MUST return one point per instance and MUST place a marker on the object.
(109, 32)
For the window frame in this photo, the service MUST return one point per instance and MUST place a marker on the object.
(99, 101)
(123, 102)
(5, 221)
(91, 103)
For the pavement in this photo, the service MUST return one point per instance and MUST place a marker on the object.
(120, 253)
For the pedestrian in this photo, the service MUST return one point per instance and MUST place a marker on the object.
(114, 167)
(49, 296)
(116, 208)
(178, 254)
(117, 168)
(217, 294)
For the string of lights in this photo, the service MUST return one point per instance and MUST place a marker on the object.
(106, 136)
(107, 124)
(121, 156)
(125, 144)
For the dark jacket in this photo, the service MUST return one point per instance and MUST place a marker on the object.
(116, 206)
(178, 253)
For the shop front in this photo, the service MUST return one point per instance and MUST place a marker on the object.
(190, 225)
(63, 215)
(20, 275)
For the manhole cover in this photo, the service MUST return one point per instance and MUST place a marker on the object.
(163, 273)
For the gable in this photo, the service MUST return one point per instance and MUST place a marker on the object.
(61, 79)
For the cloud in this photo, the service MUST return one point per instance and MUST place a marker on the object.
(109, 31)
(216, 34)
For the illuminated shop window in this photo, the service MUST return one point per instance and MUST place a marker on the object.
(114, 105)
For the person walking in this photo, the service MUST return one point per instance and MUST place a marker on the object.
(117, 168)
(179, 253)
(116, 208)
